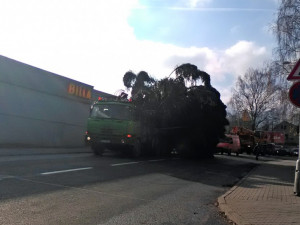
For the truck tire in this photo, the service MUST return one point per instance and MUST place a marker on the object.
(229, 152)
(97, 149)
(137, 150)
(156, 149)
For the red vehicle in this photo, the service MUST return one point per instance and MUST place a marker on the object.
(273, 137)
(229, 144)
(247, 138)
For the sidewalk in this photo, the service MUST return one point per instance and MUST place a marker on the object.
(39, 151)
(264, 196)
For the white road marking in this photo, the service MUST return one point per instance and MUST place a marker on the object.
(122, 164)
(156, 160)
(66, 171)
(2, 177)
(130, 163)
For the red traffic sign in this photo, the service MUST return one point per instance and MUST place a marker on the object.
(294, 94)
(295, 73)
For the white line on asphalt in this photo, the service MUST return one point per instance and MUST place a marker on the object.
(2, 177)
(156, 160)
(122, 164)
(66, 171)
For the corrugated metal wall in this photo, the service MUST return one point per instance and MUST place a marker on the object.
(36, 108)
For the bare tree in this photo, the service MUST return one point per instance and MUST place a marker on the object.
(255, 93)
(287, 30)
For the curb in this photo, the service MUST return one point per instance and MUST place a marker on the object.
(225, 208)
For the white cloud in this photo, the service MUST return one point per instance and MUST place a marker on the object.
(92, 42)
(235, 60)
(244, 54)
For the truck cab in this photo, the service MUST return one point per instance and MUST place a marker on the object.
(229, 144)
(111, 125)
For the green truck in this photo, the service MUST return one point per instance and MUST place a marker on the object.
(112, 125)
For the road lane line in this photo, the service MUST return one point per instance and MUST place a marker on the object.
(156, 160)
(66, 171)
(130, 163)
(2, 177)
(123, 164)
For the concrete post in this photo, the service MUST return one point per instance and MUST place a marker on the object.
(297, 179)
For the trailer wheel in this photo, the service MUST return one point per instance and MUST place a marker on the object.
(97, 149)
(157, 148)
(137, 149)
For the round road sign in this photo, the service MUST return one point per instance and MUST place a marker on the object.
(294, 94)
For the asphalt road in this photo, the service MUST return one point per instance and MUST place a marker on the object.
(83, 189)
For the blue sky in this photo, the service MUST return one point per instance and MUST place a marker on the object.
(97, 41)
(215, 24)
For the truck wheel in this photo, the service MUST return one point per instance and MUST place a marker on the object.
(136, 150)
(156, 148)
(97, 149)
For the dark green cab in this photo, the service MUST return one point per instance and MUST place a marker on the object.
(112, 125)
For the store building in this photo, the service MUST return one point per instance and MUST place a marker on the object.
(40, 108)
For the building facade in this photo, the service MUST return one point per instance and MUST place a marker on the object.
(41, 109)
(290, 131)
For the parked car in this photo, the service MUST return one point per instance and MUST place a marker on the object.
(294, 152)
(281, 151)
(259, 149)
(269, 149)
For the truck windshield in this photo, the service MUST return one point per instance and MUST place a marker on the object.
(112, 111)
(226, 140)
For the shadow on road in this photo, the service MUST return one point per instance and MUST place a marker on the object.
(218, 172)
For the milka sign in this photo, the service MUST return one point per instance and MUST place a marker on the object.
(79, 91)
